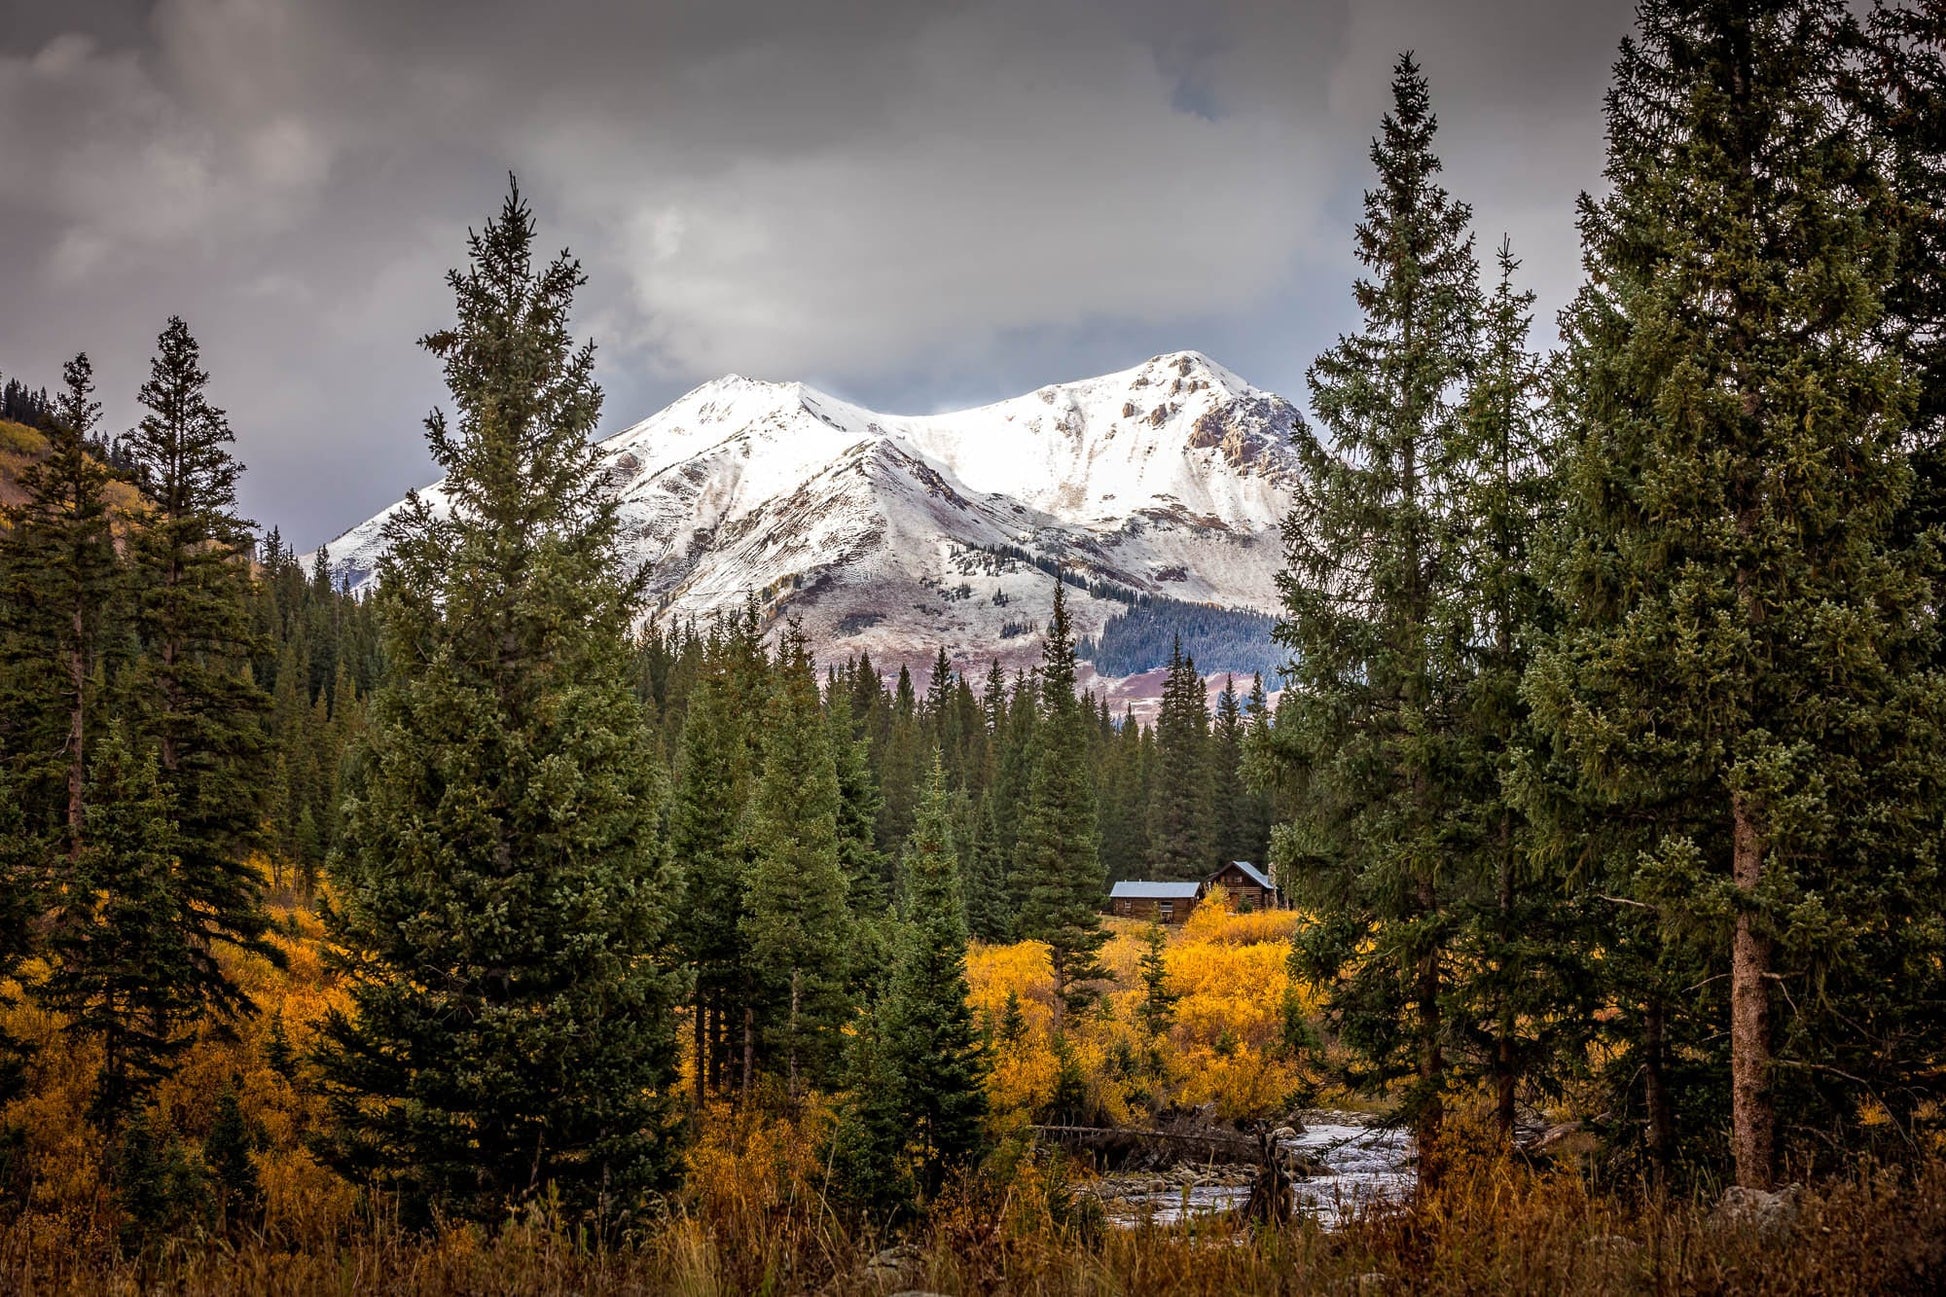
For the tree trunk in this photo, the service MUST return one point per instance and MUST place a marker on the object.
(1752, 1117)
(1060, 992)
(1432, 1062)
(796, 993)
(700, 1033)
(1662, 1126)
(749, 1047)
(1505, 1073)
(77, 769)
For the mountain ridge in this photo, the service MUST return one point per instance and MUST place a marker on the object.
(894, 533)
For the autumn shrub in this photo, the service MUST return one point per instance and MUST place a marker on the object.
(1226, 1044)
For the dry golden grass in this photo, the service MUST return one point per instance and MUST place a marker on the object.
(754, 1220)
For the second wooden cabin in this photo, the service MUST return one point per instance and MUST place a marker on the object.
(1245, 888)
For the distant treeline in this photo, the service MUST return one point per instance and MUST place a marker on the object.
(1220, 639)
(1099, 587)
(20, 403)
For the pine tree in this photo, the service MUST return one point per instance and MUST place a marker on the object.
(709, 848)
(870, 1159)
(1522, 982)
(190, 688)
(1253, 796)
(62, 581)
(1228, 797)
(917, 1099)
(1900, 90)
(23, 893)
(1124, 784)
(1181, 845)
(798, 926)
(230, 1153)
(1058, 855)
(929, 1041)
(121, 938)
(900, 766)
(989, 917)
(859, 808)
(502, 898)
(1157, 1009)
(1371, 680)
(1745, 673)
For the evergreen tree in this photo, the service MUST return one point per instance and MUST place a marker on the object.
(899, 746)
(1371, 681)
(23, 891)
(1157, 1009)
(1058, 855)
(1521, 985)
(1744, 682)
(989, 917)
(1124, 783)
(1900, 90)
(709, 848)
(1253, 797)
(870, 1159)
(798, 928)
(929, 1041)
(1018, 748)
(1228, 797)
(229, 1152)
(502, 895)
(859, 808)
(190, 688)
(121, 938)
(1181, 845)
(61, 578)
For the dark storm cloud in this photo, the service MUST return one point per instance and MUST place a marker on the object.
(919, 204)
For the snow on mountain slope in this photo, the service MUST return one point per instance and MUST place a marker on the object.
(897, 533)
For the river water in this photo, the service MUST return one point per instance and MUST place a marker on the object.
(1361, 1166)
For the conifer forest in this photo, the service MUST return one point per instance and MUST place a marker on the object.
(489, 931)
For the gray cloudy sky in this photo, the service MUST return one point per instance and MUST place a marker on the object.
(917, 204)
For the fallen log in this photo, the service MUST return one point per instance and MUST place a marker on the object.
(1122, 1148)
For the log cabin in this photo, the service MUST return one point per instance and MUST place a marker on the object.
(1246, 887)
(1166, 902)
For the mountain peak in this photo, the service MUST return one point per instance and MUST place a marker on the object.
(895, 533)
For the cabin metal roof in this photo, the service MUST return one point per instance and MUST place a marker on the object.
(1137, 891)
(1256, 874)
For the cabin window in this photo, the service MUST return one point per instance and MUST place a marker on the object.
(1168, 909)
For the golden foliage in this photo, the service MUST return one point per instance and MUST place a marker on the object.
(1225, 1046)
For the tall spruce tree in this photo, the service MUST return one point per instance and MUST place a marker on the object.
(1900, 90)
(798, 926)
(1058, 856)
(502, 897)
(1370, 687)
(23, 900)
(121, 938)
(63, 584)
(1229, 809)
(1521, 985)
(190, 689)
(1745, 675)
(929, 1041)
(868, 886)
(709, 848)
(1181, 844)
(989, 917)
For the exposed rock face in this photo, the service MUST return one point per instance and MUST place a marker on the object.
(1758, 1209)
(894, 534)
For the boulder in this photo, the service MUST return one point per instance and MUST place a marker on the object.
(1759, 1209)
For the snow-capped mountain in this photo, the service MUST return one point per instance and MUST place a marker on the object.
(898, 533)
